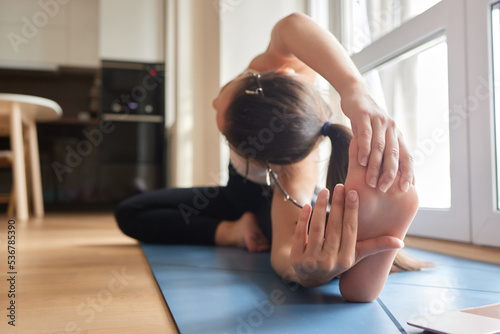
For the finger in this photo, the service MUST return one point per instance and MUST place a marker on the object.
(376, 153)
(391, 158)
(349, 226)
(300, 237)
(353, 151)
(376, 245)
(405, 167)
(317, 226)
(333, 231)
(363, 132)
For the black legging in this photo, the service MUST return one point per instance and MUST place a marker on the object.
(191, 215)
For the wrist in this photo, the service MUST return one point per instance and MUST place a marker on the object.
(355, 98)
(352, 84)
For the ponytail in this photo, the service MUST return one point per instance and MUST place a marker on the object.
(340, 137)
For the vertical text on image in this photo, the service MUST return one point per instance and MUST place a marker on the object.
(11, 272)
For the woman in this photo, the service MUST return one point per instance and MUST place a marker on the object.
(274, 119)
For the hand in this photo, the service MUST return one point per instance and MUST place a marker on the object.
(381, 145)
(322, 254)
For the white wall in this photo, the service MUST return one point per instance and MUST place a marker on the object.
(208, 43)
(132, 30)
(46, 34)
(192, 74)
(246, 28)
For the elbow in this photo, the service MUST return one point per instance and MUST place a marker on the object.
(280, 267)
(295, 16)
(356, 294)
(357, 298)
(295, 19)
(283, 268)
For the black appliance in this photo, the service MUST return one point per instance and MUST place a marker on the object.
(132, 153)
(117, 149)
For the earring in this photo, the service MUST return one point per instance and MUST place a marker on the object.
(268, 177)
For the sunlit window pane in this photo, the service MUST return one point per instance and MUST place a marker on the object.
(413, 88)
(371, 19)
(495, 33)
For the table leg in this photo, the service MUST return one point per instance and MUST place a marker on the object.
(19, 169)
(36, 180)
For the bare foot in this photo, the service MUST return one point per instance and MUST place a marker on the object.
(380, 214)
(251, 236)
(243, 232)
(389, 213)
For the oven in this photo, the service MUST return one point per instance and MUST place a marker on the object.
(132, 156)
(94, 163)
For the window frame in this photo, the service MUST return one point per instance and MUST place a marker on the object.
(485, 224)
(445, 17)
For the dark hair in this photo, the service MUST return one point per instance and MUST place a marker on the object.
(340, 136)
(283, 125)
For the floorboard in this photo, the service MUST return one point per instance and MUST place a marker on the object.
(79, 273)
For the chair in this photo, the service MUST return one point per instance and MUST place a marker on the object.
(6, 162)
(18, 116)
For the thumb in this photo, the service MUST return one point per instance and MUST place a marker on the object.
(376, 245)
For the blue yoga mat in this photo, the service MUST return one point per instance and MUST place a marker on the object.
(228, 290)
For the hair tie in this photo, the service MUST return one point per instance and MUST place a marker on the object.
(259, 90)
(324, 129)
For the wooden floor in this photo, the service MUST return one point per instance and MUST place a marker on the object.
(79, 274)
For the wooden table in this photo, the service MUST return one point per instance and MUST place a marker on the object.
(16, 111)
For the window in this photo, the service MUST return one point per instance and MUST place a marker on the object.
(413, 55)
(483, 24)
(495, 43)
(413, 88)
(368, 20)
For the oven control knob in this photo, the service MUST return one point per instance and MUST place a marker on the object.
(116, 107)
(148, 109)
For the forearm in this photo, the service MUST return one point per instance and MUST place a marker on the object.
(280, 261)
(320, 50)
